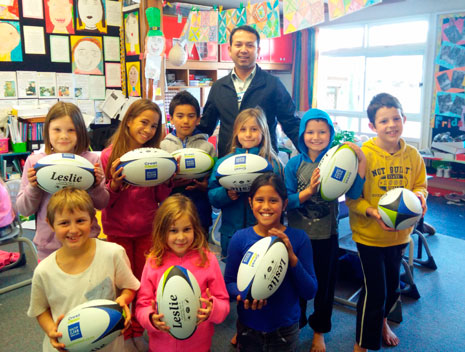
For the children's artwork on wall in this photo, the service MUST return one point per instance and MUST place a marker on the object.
(9, 10)
(90, 16)
(203, 26)
(27, 84)
(59, 48)
(10, 44)
(33, 9)
(59, 16)
(87, 55)
(154, 44)
(451, 80)
(227, 20)
(131, 29)
(264, 17)
(454, 31)
(339, 8)
(129, 5)
(451, 55)
(301, 14)
(133, 72)
(8, 85)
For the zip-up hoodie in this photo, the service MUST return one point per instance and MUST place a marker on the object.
(385, 171)
(315, 216)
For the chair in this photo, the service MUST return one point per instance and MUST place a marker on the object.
(15, 235)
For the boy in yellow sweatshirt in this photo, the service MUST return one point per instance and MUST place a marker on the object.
(391, 163)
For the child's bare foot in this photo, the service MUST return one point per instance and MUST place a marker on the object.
(234, 340)
(357, 348)
(389, 338)
(318, 343)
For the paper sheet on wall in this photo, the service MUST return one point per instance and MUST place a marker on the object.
(111, 48)
(65, 85)
(97, 87)
(87, 107)
(33, 9)
(113, 75)
(59, 48)
(34, 40)
(113, 102)
(8, 85)
(27, 84)
(301, 14)
(114, 12)
(47, 84)
(81, 86)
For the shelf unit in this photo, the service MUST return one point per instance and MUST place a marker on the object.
(11, 159)
(442, 185)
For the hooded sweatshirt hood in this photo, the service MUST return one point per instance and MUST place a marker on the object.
(313, 114)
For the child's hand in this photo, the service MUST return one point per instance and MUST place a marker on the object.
(423, 202)
(54, 335)
(311, 188)
(374, 213)
(156, 319)
(99, 175)
(233, 194)
(117, 176)
(32, 177)
(127, 321)
(256, 304)
(290, 251)
(362, 160)
(200, 185)
(204, 313)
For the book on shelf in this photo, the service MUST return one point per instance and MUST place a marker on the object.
(450, 147)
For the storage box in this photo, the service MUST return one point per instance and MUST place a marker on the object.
(19, 147)
(3, 145)
(450, 147)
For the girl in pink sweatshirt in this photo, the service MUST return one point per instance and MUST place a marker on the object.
(128, 217)
(178, 239)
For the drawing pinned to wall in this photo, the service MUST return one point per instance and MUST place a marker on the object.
(264, 17)
(203, 26)
(8, 85)
(131, 29)
(450, 104)
(9, 10)
(451, 55)
(453, 30)
(339, 8)
(133, 72)
(59, 16)
(87, 55)
(451, 80)
(227, 20)
(301, 14)
(90, 16)
(10, 44)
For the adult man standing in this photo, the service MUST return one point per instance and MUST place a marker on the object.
(248, 86)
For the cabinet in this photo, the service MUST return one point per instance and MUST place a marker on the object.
(443, 185)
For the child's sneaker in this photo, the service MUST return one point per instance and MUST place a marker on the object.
(440, 171)
(447, 171)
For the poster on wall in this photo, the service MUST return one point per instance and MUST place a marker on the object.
(447, 113)
(87, 56)
(131, 30)
(203, 26)
(133, 81)
(10, 45)
(27, 84)
(264, 17)
(90, 16)
(301, 14)
(227, 20)
(9, 10)
(59, 16)
(8, 85)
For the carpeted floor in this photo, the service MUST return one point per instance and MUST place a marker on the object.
(447, 217)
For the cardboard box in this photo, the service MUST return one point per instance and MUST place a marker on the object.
(450, 147)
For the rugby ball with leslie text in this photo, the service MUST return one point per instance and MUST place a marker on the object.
(193, 163)
(400, 208)
(60, 170)
(240, 170)
(91, 326)
(262, 269)
(178, 299)
(147, 167)
(338, 170)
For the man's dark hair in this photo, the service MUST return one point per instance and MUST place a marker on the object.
(184, 98)
(246, 28)
(382, 100)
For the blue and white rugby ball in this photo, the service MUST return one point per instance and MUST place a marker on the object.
(240, 170)
(400, 208)
(338, 170)
(60, 170)
(91, 325)
(262, 269)
(147, 167)
(193, 163)
(178, 298)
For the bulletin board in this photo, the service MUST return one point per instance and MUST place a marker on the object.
(448, 108)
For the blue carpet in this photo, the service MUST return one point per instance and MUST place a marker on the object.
(448, 219)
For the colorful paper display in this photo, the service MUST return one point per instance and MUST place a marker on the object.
(301, 14)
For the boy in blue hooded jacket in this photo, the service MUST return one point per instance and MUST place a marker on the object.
(316, 216)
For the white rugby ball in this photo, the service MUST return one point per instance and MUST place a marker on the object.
(193, 163)
(240, 170)
(60, 170)
(400, 208)
(91, 325)
(262, 269)
(338, 170)
(178, 298)
(147, 167)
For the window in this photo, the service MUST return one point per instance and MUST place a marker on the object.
(357, 62)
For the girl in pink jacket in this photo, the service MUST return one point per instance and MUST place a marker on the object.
(178, 239)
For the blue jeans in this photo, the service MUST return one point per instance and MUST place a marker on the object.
(284, 339)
